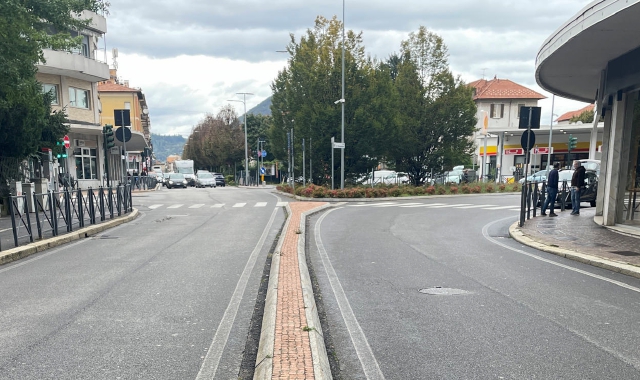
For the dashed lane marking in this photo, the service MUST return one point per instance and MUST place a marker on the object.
(261, 204)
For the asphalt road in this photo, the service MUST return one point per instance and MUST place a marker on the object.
(167, 296)
(489, 307)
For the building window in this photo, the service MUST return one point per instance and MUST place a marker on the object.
(53, 89)
(497, 111)
(78, 98)
(84, 47)
(520, 109)
(86, 163)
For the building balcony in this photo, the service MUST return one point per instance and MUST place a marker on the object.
(73, 65)
(98, 22)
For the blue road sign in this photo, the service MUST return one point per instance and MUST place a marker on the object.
(264, 153)
(262, 170)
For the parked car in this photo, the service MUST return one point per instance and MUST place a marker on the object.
(220, 181)
(176, 180)
(536, 177)
(591, 165)
(588, 193)
(205, 179)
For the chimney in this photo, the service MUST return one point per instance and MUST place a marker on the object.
(126, 83)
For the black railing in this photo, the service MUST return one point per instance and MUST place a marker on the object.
(57, 211)
(535, 195)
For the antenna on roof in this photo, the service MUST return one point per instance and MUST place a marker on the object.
(483, 70)
(114, 54)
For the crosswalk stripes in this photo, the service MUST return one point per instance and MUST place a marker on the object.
(261, 204)
(218, 205)
(197, 206)
(239, 205)
(411, 205)
(176, 206)
(372, 204)
(282, 204)
(498, 208)
(476, 206)
(153, 207)
(454, 205)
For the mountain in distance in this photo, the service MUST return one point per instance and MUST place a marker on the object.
(166, 145)
(264, 108)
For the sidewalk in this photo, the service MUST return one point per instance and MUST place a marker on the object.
(580, 238)
(291, 341)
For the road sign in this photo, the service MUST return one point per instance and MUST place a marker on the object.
(514, 151)
(338, 145)
(524, 117)
(122, 118)
(531, 140)
(127, 134)
(262, 170)
(67, 143)
(264, 153)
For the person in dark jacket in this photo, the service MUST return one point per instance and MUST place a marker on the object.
(577, 183)
(552, 191)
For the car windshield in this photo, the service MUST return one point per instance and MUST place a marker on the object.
(565, 175)
(176, 176)
(205, 175)
(541, 173)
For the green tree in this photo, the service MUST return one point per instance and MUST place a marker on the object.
(586, 117)
(27, 27)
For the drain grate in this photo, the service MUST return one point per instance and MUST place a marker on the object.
(626, 253)
(440, 291)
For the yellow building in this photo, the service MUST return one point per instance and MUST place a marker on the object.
(115, 96)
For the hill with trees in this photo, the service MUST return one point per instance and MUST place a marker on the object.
(164, 146)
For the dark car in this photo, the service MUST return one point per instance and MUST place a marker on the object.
(587, 194)
(176, 180)
(220, 179)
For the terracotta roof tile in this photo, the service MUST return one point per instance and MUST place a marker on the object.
(568, 115)
(114, 87)
(502, 89)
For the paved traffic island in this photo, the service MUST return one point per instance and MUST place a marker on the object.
(291, 341)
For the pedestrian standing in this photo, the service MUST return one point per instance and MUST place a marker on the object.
(577, 183)
(552, 191)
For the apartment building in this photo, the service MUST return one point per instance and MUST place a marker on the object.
(73, 79)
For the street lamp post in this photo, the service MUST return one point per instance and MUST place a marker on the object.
(246, 148)
(342, 102)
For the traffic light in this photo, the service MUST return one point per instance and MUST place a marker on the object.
(573, 142)
(109, 142)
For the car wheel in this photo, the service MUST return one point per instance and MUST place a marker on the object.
(592, 203)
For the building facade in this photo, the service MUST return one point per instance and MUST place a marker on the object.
(593, 57)
(72, 77)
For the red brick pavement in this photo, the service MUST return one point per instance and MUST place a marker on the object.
(292, 352)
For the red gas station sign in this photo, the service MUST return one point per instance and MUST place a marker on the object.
(514, 151)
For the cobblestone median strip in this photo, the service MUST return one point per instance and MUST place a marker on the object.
(23, 251)
(291, 343)
(630, 270)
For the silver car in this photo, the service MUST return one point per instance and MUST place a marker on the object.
(205, 180)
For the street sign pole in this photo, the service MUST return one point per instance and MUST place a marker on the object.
(304, 178)
(332, 183)
(523, 201)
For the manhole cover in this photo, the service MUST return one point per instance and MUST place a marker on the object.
(438, 291)
(626, 253)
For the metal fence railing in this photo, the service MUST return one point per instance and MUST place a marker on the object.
(534, 196)
(59, 212)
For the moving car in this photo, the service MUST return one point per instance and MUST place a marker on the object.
(176, 180)
(205, 179)
(220, 181)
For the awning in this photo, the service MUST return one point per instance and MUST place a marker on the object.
(136, 143)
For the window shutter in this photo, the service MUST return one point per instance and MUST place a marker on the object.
(501, 111)
(491, 111)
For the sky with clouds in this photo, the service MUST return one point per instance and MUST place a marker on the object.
(191, 56)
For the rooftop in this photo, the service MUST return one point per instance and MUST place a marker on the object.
(502, 89)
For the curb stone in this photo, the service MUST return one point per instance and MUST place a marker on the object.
(630, 270)
(413, 197)
(26, 250)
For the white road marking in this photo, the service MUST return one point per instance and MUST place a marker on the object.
(499, 207)
(197, 205)
(359, 340)
(212, 360)
(217, 205)
(175, 206)
(423, 205)
(397, 204)
(372, 204)
(477, 206)
(454, 205)
(239, 205)
(153, 207)
(282, 204)
(261, 204)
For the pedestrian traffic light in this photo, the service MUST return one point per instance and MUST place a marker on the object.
(107, 130)
(573, 142)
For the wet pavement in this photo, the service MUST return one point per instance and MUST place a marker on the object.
(618, 246)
